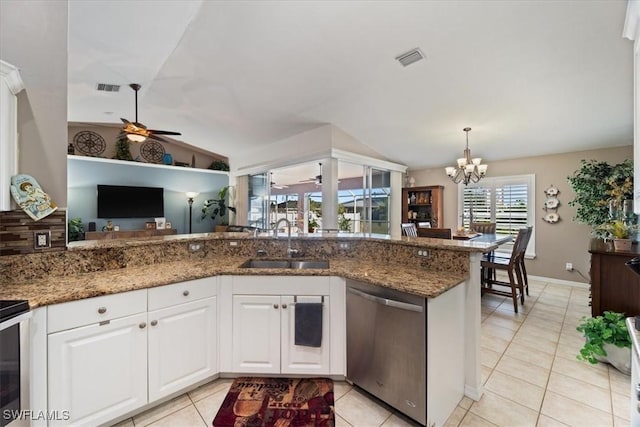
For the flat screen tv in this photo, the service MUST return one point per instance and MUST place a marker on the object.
(119, 201)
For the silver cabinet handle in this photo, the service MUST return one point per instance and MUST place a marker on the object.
(102, 310)
(284, 306)
(185, 293)
(154, 322)
(275, 305)
(142, 325)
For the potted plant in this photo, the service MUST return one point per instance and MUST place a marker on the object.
(621, 232)
(76, 229)
(214, 208)
(595, 184)
(607, 340)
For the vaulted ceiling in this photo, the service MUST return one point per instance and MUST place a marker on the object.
(529, 77)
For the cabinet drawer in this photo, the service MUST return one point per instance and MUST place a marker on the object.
(166, 296)
(73, 314)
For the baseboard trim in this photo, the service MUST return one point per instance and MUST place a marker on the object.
(553, 280)
(560, 282)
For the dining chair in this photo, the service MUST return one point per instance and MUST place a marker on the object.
(483, 227)
(409, 229)
(513, 267)
(435, 233)
(521, 259)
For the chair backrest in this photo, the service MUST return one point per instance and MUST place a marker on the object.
(424, 225)
(435, 233)
(409, 229)
(484, 227)
(520, 245)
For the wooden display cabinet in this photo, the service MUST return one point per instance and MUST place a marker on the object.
(423, 204)
(614, 286)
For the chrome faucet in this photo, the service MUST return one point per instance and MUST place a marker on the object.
(290, 251)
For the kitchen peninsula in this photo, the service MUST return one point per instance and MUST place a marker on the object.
(209, 264)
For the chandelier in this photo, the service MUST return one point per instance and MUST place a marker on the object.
(468, 169)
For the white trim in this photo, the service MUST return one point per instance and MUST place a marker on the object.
(530, 179)
(74, 157)
(552, 280)
(12, 84)
(631, 29)
(332, 153)
(559, 281)
(11, 75)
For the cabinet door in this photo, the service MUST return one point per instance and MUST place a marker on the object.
(303, 359)
(256, 334)
(98, 372)
(182, 346)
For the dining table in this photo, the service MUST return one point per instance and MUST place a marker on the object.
(492, 238)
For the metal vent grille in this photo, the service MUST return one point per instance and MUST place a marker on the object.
(105, 87)
(408, 58)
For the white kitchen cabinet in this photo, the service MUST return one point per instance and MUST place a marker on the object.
(263, 319)
(113, 354)
(256, 334)
(99, 371)
(182, 346)
(297, 359)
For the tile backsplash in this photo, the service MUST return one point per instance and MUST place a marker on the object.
(17, 232)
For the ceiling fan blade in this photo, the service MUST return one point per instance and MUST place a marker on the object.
(163, 132)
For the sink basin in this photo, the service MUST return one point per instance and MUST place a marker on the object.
(316, 263)
(285, 263)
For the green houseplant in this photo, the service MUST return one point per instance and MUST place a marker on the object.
(607, 340)
(595, 184)
(621, 233)
(217, 208)
(75, 229)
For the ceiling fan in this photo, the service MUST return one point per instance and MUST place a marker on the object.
(276, 186)
(136, 131)
(317, 179)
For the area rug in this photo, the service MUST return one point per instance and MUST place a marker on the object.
(277, 402)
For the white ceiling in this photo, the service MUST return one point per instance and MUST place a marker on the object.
(529, 77)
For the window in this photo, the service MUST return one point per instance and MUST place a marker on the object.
(508, 201)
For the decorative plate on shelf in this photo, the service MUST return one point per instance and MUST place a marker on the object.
(89, 143)
(152, 151)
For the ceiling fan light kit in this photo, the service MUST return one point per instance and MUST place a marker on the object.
(468, 169)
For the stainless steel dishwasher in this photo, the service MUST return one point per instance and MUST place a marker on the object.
(386, 346)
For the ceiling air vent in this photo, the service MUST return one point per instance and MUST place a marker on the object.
(408, 58)
(105, 87)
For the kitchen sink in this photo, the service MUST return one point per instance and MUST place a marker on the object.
(286, 263)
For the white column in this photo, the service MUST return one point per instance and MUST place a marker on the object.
(395, 204)
(330, 193)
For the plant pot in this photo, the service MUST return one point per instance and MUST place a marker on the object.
(622, 244)
(221, 228)
(618, 357)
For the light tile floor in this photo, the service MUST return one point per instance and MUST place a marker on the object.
(529, 370)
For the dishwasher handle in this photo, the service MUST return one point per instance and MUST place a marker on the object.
(386, 301)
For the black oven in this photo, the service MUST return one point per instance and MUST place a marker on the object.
(13, 369)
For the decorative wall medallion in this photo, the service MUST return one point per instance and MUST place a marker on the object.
(551, 191)
(551, 205)
(152, 151)
(89, 143)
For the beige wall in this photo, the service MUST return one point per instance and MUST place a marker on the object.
(33, 37)
(556, 244)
